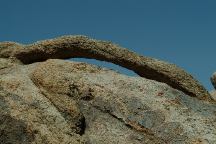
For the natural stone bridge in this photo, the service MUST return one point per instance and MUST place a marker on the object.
(84, 47)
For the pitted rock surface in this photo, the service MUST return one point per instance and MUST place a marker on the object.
(81, 46)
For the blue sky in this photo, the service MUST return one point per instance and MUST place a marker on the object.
(178, 31)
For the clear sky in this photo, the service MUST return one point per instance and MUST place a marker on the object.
(178, 31)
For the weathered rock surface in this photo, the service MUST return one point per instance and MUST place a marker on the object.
(57, 101)
(81, 46)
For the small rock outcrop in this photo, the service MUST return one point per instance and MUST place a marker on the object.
(213, 79)
(213, 94)
(81, 46)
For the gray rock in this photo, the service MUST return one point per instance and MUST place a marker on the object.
(81, 46)
(58, 101)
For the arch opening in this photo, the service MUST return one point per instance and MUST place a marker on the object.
(107, 65)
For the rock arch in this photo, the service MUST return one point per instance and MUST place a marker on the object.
(84, 47)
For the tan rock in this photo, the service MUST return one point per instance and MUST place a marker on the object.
(81, 46)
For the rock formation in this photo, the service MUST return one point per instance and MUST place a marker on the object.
(213, 81)
(81, 46)
(54, 101)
